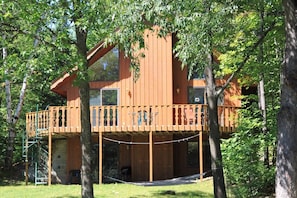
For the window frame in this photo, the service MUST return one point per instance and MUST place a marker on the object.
(204, 95)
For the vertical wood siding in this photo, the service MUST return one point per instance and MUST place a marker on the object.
(73, 154)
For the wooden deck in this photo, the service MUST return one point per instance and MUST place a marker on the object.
(65, 120)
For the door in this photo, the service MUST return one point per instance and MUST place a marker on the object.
(104, 97)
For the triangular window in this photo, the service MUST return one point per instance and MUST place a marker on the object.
(106, 68)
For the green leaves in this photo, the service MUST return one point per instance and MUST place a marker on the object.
(246, 174)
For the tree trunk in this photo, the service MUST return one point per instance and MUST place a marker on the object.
(86, 135)
(11, 132)
(261, 90)
(86, 142)
(12, 121)
(214, 134)
(262, 107)
(13, 118)
(286, 164)
(10, 148)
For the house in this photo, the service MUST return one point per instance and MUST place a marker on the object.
(151, 129)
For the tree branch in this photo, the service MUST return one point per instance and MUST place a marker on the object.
(12, 28)
(247, 57)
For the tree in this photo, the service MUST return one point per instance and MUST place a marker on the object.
(243, 156)
(12, 64)
(286, 174)
(19, 69)
(12, 118)
(66, 29)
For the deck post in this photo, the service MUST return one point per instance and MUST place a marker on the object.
(100, 151)
(201, 154)
(26, 161)
(151, 155)
(49, 158)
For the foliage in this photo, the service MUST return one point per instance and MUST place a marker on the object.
(243, 153)
(248, 26)
(24, 59)
(246, 173)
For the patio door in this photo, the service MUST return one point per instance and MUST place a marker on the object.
(104, 97)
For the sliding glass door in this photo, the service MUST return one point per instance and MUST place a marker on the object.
(104, 97)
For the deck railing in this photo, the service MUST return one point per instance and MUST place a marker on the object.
(178, 117)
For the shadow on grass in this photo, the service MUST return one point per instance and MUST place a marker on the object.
(12, 177)
(168, 193)
(6, 181)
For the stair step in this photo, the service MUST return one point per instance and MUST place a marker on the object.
(41, 180)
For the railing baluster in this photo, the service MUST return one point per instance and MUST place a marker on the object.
(97, 116)
(63, 117)
(114, 116)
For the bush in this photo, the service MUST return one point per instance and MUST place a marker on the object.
(243, 158)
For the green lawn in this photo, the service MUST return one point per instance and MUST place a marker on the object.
(200, 189)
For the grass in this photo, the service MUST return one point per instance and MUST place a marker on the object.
(19, 190)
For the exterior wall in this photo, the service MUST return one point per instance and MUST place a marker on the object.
(73, 157)
(181, 84)
(181, 167)
(162, 158)
(59, 161)
(154, 85)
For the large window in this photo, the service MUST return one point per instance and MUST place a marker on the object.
(106, 68)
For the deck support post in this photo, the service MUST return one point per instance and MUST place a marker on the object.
(201, 154)
(100, 151)
(151, 156)
(26, 161)
(49, 180)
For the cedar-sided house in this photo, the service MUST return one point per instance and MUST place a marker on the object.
(154, 128)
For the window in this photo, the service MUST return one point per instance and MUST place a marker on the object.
(196, 95)
(106, 68)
